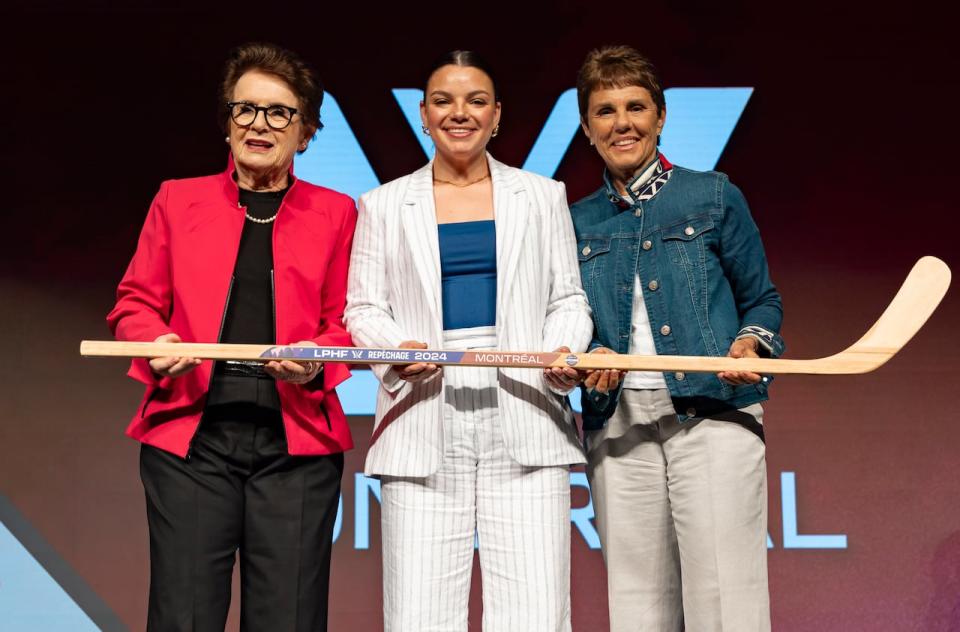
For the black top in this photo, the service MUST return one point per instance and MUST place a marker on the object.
(249, 316)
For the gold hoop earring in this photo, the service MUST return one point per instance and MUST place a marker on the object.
(496, 130)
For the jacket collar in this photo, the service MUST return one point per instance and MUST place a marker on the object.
(635, 188)
(231, 191)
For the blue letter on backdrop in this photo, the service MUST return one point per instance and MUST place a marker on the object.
(791, 539)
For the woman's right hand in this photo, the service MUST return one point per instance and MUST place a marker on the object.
(419, 371)
(172, 366)
(603, 380)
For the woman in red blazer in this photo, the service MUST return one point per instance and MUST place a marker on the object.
(236, 455)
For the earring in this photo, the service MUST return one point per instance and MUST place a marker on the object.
(425, 130)
(227, 139)
(496, 130)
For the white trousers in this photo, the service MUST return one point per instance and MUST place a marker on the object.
(681, 511)
(520, 514)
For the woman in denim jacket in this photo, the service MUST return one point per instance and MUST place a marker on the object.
(672, 263)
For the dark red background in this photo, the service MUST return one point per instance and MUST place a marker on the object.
(847, 152)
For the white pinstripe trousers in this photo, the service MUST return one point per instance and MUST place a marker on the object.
(521, 515)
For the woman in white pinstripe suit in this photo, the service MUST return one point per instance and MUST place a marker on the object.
(469, 253)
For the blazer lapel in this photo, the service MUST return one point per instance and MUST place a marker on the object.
(419, 226)
(511, 213)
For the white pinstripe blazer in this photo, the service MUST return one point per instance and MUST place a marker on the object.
(394, 294)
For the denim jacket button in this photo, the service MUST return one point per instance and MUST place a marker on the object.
(691, 412)
(688, 231)
(647, 245)
(679, 375)
(665, 330)
(653, 285)
(585, 251)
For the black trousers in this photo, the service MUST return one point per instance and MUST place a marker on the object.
(240, 490)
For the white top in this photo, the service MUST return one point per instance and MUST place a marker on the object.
(641, 342)
(641, 336)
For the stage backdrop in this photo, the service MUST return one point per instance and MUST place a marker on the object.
(837, 123)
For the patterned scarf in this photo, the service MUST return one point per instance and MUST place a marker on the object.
(644, 186)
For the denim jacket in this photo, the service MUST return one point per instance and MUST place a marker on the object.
(705, 280)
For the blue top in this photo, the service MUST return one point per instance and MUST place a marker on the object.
(468, 266)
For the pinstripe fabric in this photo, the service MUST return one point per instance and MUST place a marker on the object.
(394, 295)
(521, 514)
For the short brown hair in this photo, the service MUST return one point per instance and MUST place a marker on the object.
(617, 67)
(285, 64)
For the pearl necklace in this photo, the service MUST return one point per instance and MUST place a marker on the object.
(257, 220)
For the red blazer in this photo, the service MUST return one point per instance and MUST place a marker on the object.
(178, 281)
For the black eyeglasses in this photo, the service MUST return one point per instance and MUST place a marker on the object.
(276, 116)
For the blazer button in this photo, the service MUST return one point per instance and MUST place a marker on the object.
(653, 285)
(679, 375)
(585, 251)
(647, 245)
(688, 231)
(665, 330)
(691, 412)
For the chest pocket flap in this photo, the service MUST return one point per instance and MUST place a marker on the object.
(689, 229)
(588, 248)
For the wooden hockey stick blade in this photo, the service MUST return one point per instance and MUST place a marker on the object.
(915, 301)
(913, 304)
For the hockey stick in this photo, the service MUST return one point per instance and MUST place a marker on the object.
(913, 304)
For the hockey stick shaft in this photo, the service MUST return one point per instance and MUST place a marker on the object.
(918, 297)
(859, 363)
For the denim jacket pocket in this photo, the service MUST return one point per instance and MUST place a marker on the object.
(588, 248)
(588, 254)
(689, 229)
(687, 242)
(594, 272)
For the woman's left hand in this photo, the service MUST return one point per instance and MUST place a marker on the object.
(294, 372)
(561, 378)
(741, 348)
